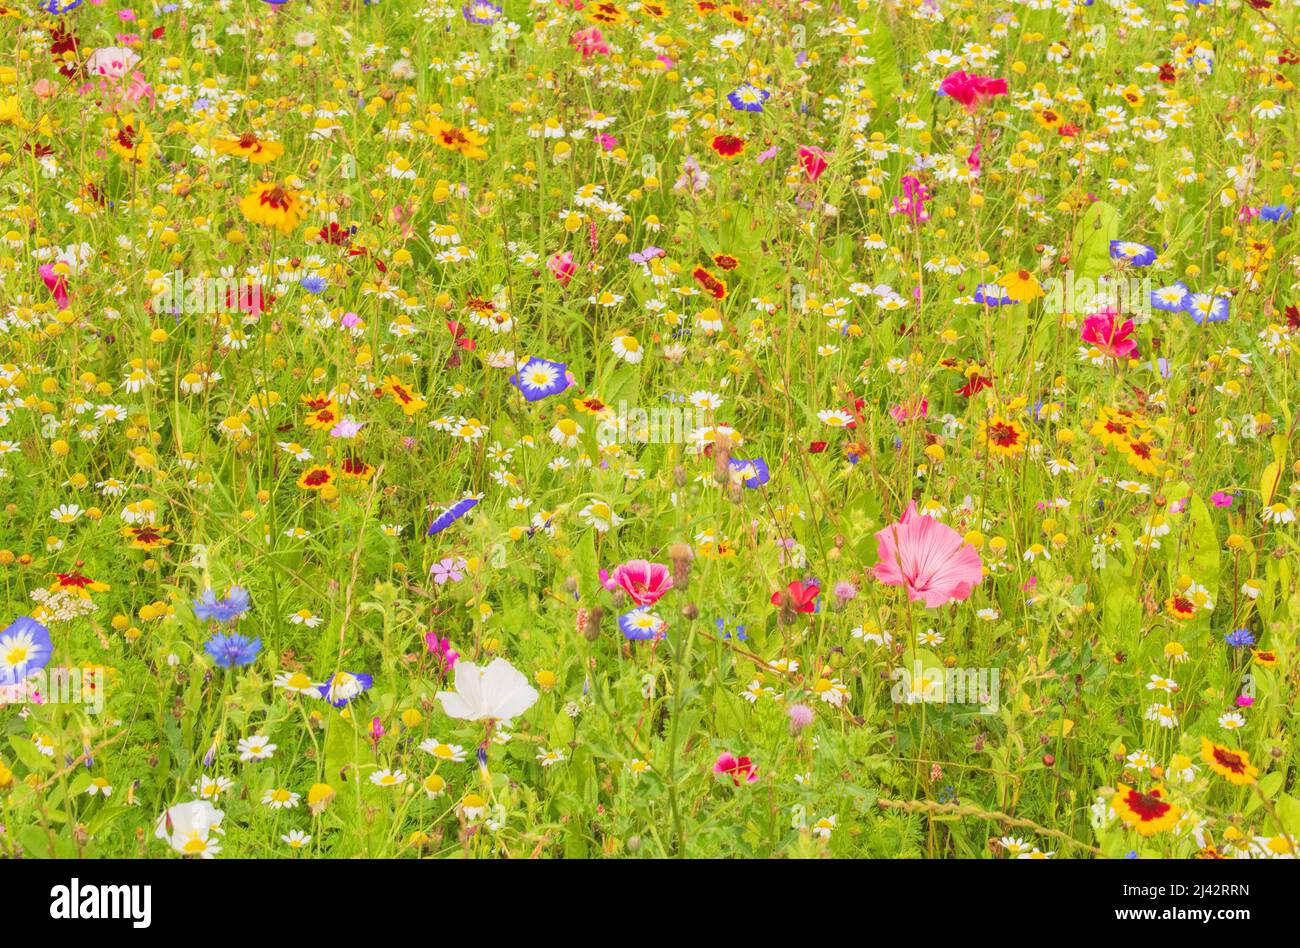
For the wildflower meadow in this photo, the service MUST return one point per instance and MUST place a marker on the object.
(637, 429)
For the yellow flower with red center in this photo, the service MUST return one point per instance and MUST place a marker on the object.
(1264, 657)
(129, 139)
(257, 150)
(322, 412)
(356, 469)
(463, 141)
(1002, 436)
(605, 13)
(1113, 427)
(78, 585)
(1021, 285)
(1233, 765)
(409, 401)
(1142, 454)
(146, 536)
(274, 205)
(1148, 813)
(316, 477)
(1181, 607)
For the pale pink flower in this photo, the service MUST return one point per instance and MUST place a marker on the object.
(111, 62)
(930, 558)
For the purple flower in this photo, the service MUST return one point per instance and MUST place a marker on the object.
(447, 569)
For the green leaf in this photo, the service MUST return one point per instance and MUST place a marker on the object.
(1096, 229)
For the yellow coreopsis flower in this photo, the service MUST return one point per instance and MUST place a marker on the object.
(273, 205)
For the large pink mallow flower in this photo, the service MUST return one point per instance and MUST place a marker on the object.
(972, 91)
(643, 581)
(1104, 331)
(930, 558)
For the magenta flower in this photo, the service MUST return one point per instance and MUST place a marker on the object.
(972, 91)
(1220, 499)
(737, 768)
(930, 558)
(1103, 331)
(813, 160)
(561, 266)
(643, 581)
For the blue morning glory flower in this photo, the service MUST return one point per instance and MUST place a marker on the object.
(754, 472)
(748, 98)
(1132, 252)
(1170, 298)
(340, 688)
(540, 377)
(1206, 308)
(641, 624)
(25, 649)
(992, 294)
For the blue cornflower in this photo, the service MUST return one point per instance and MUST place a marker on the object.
(1275, 213)
(314, 284)
(208, 608)
(1240, 638)
(233, 650)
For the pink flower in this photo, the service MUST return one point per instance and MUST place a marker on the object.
(446, 569)
(561, 266)
(972, 91)
(607, 142)
(813, 160)
(1220, 499)
(929, 558)
(643, 581)
(905, 413)
(111, 62)
(736, 768)
(1100, 330)
(44, 89)
(55, 283)
(590, 42)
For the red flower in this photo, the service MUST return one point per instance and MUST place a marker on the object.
(712, 285)
(817, 447)
(803, 597)
(728, 146)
